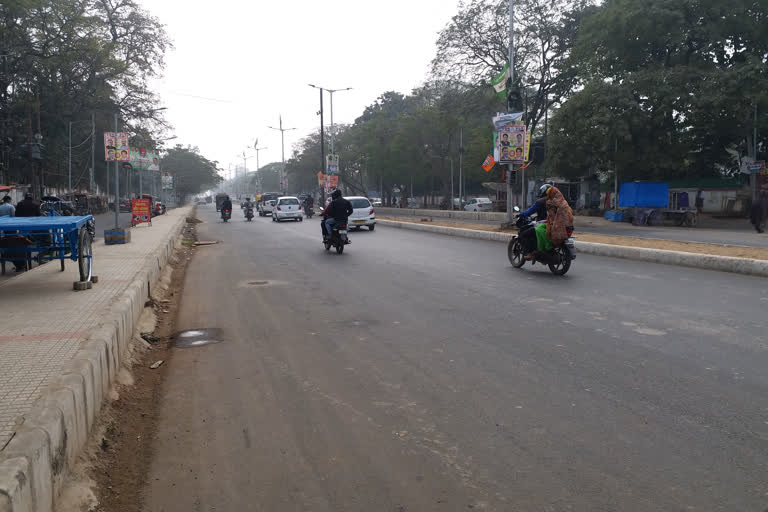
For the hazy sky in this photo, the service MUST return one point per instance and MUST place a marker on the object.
(257, 57)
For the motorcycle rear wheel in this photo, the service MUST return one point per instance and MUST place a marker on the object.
(339, 248)
(561, 268)
(515, 253)
(327, 246)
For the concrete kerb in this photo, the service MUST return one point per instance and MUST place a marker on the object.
(745, 266)
(33, 464)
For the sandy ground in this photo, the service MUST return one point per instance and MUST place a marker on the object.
(698, 248)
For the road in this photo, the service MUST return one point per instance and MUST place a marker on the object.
(728, 232)
(420, 372)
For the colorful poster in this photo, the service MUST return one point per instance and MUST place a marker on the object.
(166, 179)
(488, 163)
(116, 146)
(320, 179)
(334, 181)
(756, 167)
(141, 211)
(511, 143)
(143, 159)
(333, 164)
(527, 146)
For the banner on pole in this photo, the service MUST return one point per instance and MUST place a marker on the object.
(488, 163)
(141, 211)
(116, 146)
(511, 143)
(333, 180)
(166, 179)
(143, 159)
(320, 179)
(333, 164)
(499, 82)
(756, 167)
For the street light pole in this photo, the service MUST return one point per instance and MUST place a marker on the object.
(282, 146)
(70, 159)
(117, 187)
(333, 130)
(510, 168)
(258, 177)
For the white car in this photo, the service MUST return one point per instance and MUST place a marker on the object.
(287, 207)
(362, 215)
(479, 204)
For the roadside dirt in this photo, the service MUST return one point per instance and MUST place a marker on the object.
(113, 469)
(698, 248)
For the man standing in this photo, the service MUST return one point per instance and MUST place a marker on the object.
(28, 207)
(759, 212)
(6, 208)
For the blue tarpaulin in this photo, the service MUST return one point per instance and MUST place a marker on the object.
(644, 194)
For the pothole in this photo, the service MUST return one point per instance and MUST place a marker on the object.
(196, 338)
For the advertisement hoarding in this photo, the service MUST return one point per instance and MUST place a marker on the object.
(141, 211)
(116, 146)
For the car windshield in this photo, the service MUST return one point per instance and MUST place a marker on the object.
(289, 201)
(360, 203)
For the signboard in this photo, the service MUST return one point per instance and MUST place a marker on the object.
(333, 164)
(143, 159)
(141, 211)
(116, 146)
(334, 181)
(511, 143)
(166, 178)
(756, 167)
(320, 179)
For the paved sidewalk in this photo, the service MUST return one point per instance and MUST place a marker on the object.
(43, 321)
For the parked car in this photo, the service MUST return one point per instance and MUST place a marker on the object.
(266, 203)
(287, 207)
(363, 214)
(479, 204)
(376, 202)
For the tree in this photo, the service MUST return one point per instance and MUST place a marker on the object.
(192, 172)
(677, 82)
(475, 46)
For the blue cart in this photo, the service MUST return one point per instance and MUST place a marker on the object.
(48, 238)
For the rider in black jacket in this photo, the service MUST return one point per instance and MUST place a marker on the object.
(337, 212)
(226, 205)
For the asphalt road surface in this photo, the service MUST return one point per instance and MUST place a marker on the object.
(420, 372)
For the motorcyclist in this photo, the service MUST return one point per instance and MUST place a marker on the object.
(337, 212)
(247, 204)
(226, 205)
(309, 203)
(539, 207)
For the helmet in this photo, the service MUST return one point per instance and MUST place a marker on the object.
(336, 194)
(247, 198)
(544, 189)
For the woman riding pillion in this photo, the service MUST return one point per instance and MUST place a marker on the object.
(559, 216)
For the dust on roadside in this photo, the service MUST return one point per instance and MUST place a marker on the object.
(628, 241)
(115, 463)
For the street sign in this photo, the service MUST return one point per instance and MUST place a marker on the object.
(756, 167)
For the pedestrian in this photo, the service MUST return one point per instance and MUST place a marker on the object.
(28, 207)
(6, 208)
(759, 212)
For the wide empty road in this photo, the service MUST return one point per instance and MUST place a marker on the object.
(420, 372)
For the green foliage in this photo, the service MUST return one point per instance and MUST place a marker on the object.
(77, 58)
(673, 84)
(192, 172)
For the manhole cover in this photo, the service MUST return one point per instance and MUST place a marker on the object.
(258, 283)
(196, 338)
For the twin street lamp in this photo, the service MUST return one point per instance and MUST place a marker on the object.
(322, 130)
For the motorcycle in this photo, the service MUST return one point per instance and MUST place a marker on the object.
(249, 214)
(338, 238)
(226, 215)
(558, 259)
(309, 211)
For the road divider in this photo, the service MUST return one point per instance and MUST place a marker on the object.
(746, 266)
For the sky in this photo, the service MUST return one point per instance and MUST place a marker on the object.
(253, 61)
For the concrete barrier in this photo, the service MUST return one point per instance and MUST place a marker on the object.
(34, 464)
(443, 214)
(745, 266)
